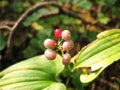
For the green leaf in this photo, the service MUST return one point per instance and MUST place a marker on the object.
(76, 82)
(91, 36)
(65, 1)
(103, 19)
(69, 20)
(16, 6)
(31, 18)
(115, 12)
(36, 15)
(34, 43)
(74, 2)
(29, 52)
(36, 73)
(41, 36)
(85, 4)
(111, 1)
(106, 2)
(74, 36)
(101, 2)
(2, 42)
(4, 3)
(99, 54)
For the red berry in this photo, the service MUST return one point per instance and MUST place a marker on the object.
(48, 43)
(54, 42)
(66, 59)
(67, 45)
(57, 33)
(66, 35)
(50, 54)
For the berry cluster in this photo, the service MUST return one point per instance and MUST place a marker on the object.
(63, 44)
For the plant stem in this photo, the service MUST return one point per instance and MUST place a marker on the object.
(60, 46)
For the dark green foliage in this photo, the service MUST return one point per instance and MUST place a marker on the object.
(16, 7)
(89, 17)
(2, 42)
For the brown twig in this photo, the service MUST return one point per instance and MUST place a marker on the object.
(53, 13)
(23, 16)
(108, 83)
(76, 15)
(5, 27)
(40, 5)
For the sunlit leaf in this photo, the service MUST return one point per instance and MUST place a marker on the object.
(36, 26)
(85, 4)
(4, 3)
(103, 19)
(99, 54)
(36, 73)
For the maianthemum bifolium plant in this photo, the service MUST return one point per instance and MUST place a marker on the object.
(63, 44)
(43, 72)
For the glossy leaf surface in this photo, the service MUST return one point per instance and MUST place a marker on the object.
(99, 54)
(36, 73)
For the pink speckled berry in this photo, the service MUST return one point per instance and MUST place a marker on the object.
(67, 45)
(66, 35)
(49, 43)
(50, 54)
(66, 59)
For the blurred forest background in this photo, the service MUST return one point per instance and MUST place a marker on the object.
(25, 24)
